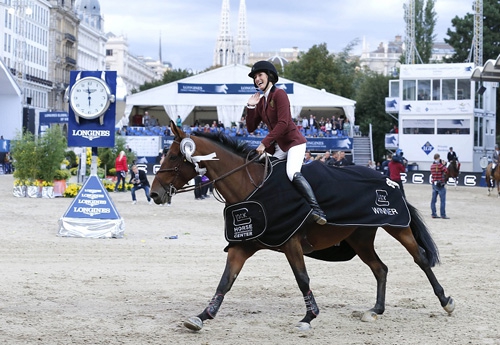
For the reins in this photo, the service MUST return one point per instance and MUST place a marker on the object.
(172, 190)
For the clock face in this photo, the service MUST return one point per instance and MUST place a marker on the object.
(90, 97)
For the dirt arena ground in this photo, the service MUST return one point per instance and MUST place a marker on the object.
(140, 289)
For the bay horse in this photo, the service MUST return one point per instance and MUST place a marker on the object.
(453, 171)
(491, 180)
(233, 169)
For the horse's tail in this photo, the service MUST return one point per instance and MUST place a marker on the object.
(423, 236)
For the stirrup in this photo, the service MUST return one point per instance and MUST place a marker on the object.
(319, 218)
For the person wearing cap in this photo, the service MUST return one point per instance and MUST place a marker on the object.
(284, 140)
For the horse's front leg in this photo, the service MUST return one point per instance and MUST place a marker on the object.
(295, 257)
(236, 258)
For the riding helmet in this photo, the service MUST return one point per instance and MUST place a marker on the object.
(264, 66)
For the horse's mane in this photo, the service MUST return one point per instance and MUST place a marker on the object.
(240, 148)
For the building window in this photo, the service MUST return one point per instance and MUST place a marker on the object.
(418, 126)
(449, 89)
(424, 90)
(409, 90)
(455, 126)
(109, 52)
(436, 90)
(463, 89)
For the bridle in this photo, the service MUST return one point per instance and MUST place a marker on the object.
(171, 190)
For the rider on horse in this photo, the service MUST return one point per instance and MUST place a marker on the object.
(452, 156)
(494, 159)
(284, 140)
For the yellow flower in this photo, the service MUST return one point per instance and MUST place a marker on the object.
(72, 190)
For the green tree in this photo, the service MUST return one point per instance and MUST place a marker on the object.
(24, 154)
(425, 23)
(320, 69)
(462, 33)
(370, 109)
(50, 152)
(38, 158)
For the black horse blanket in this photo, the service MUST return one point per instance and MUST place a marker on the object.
(349, 195)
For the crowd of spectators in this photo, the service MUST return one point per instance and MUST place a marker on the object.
(309, 127)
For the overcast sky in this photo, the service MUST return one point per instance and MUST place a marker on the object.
(189, 28)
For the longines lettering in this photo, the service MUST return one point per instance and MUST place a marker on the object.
(91, 134)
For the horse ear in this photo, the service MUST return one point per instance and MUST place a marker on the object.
(177, 131)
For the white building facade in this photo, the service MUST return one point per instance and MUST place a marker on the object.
(24, 47)
(439, 108)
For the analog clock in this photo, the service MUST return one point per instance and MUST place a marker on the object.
(90, 98)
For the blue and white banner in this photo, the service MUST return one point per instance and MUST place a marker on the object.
(313, 144)
(226, 89)
(90, 133)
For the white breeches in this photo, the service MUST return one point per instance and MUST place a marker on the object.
(294, 158)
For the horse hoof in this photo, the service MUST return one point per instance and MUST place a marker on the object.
(303, 326)
(450, 307)
(369, 316)
(194, 323)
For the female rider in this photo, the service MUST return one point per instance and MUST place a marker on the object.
(284, 140)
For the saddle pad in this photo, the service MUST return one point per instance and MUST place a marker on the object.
(350, 195)
(244, 221)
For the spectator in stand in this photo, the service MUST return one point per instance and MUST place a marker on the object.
(347, 128)
(394, 129)
(146, 119)
(335, 129)
(153, 122)
(328, 127)
(378, 167)
(396, 168)
(313, 124)
(305, 123)
(178, 122)
(327, 158)
(340, 159)
(308, 157)
(371, 165)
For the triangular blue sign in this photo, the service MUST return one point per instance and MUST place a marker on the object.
(92, 202)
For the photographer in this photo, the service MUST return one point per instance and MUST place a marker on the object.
(438, 172)
(140, 181)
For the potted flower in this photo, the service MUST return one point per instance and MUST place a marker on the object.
(60, 179)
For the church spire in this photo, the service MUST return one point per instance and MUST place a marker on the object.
(224, 49)
(242, 48)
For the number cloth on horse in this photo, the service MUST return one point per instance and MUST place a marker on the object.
(350, 195)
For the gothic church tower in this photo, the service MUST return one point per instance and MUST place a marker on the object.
(242, 48)
(226, 52)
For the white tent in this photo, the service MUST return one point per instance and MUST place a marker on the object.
(11, 116)
(229, 105)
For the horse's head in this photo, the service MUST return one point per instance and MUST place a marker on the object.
(176, 167)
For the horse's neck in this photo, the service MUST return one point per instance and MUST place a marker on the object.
(233, 181)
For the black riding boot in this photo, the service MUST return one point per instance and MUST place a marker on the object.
(305, 189)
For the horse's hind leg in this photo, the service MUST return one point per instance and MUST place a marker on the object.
(361, 242)
(236, 258)
(406, 238)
